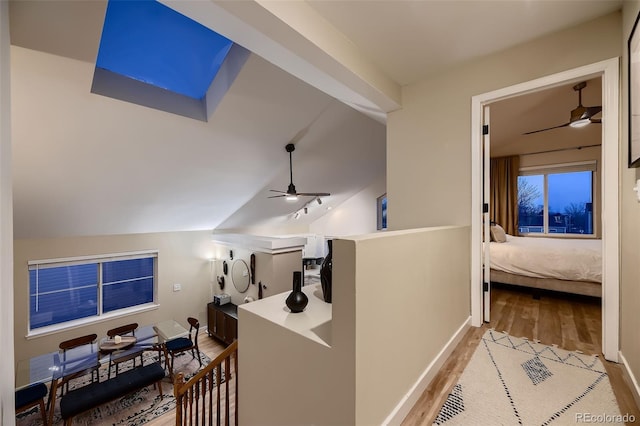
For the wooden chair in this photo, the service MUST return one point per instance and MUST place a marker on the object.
(183, 344)
(32, 396)
(67, 357)
(91, 367)
(118, 357)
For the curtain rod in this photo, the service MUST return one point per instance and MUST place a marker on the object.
(560, 149)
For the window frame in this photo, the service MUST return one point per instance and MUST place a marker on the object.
(545, 171)
(101, 315)
(380, 207)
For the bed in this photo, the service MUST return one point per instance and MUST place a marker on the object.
(569, 265)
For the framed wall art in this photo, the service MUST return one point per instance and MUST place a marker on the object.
(634, 95)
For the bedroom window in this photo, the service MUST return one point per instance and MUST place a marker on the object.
(66, 292)
(556, 200)
(382, 212)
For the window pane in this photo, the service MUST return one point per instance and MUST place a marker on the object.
(127, 269)
(127, 283)
(62, 294)
(126, 294)
(570, 203)
(531, 203)
(382, 212)
(63, 277)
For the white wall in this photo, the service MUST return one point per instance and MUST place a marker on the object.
(428, 140)
(6, 226)
(398, 298)
(413, 295)
(357, 215)
(274, 271)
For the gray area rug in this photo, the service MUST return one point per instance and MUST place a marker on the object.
(135, 409)
(514, 381)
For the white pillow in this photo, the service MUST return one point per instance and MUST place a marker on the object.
(497, 234)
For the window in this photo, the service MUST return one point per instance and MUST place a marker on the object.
(382, 212)
(556, 200)
(66, 290)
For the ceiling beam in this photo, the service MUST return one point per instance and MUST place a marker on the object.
(295, 38)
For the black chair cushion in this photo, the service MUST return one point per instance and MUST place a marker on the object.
(30, 394)
(97, 393)
(178, 344)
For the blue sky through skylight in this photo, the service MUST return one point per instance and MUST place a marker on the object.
(150, 42)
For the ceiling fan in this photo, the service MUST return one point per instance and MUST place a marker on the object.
(291, 194)
(580, 116)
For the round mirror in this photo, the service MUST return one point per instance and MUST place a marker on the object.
(240, 275)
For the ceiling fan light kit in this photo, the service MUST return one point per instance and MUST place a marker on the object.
(580, 116)
(580, 123)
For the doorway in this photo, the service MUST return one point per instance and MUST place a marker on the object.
(608, 71)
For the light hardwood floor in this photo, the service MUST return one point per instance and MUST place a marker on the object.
(569, 321)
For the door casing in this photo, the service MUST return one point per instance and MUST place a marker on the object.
(608, 70)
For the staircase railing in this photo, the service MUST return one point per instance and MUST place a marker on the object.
(210, 397)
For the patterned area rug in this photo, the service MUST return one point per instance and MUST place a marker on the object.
(134, 409)
(513, 381)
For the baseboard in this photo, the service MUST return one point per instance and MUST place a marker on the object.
(405, 405)
(630, 378)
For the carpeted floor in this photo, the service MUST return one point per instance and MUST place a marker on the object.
(511, 381)
(134, 409)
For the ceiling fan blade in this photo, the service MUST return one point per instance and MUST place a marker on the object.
(579, 115)
(277, 196)
(313, 194)
(275, 190)
(591, 111)
(548, 128)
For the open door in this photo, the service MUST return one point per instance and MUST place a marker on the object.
(609, 70)
(486, 220)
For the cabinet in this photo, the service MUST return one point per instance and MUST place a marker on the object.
(222, 322)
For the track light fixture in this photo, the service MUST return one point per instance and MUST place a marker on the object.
(305, 208)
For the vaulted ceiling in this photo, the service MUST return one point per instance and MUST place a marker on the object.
(103, 166)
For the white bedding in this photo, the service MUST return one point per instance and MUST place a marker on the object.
(560, 258)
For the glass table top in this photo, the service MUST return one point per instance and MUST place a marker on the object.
(55, 365)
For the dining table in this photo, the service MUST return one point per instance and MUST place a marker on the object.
(57, 365)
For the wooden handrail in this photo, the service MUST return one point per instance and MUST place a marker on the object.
(195, 398)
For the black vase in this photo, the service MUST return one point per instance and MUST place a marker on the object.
(325, 273)
(297, 300)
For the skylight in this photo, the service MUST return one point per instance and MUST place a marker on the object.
(152, 55)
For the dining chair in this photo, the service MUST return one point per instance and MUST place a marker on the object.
(32, 396)
(183, 344)
(90, 366)
(119, 356)
(76, 361)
